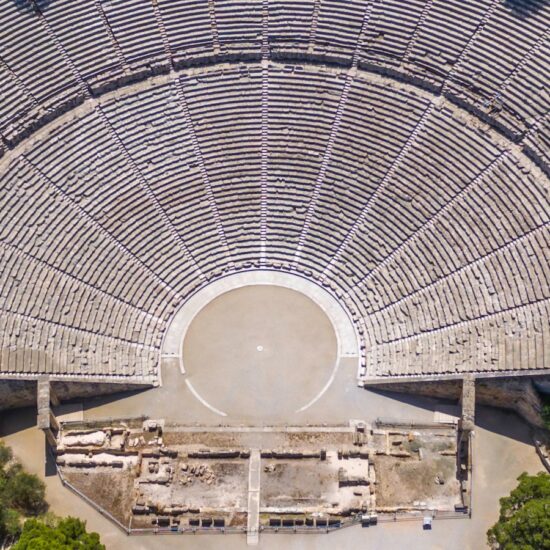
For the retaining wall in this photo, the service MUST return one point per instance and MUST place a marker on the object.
(22, 393)
(518, 394)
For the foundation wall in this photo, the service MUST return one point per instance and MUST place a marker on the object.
(517, 394)
(22, 393)
(17, 393)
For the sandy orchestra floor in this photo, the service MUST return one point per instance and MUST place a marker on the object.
(259, 350)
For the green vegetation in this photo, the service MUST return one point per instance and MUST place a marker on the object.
(24, 522)
(21, 495)
(65, 534)
(524, 522)
(414, 446)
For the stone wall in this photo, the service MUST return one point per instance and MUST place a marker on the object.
(443, 389)
(22, 393)
(17, 393)
(516, 393)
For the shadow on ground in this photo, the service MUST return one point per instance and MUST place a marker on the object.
(50, 467)
(29, 5)
(368, 404)
(16, 420)
(412, 399)
(504, 422)
(525, 8)
(101, 400)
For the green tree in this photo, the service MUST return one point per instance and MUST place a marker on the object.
(68, 534)
(21, 494)
(5, 455)
(10, 523)
(25, 492)
(524, 521)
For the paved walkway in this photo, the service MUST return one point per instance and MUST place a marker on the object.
(342, 400)
(253, 519)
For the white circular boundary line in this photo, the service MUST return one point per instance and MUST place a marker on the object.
(201, 399)
(346, 335)
(324, 389)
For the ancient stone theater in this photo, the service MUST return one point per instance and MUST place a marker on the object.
(247, 237)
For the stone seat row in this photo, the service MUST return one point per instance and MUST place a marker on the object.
(109, 193)
(137, 199)
(507, 346)
(55, 233)
(452, 226)
(223, 179)
(35, 348)
(32, 289)
(474, 148)
(409, 185)
(387, 286)
(417, 265)
(114, 39)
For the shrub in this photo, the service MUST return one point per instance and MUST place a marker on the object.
(5, 455)
(21, 494)
(10, 523)
(25, 492)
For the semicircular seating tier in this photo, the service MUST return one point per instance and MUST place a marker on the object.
(491, 56)
(151, 148)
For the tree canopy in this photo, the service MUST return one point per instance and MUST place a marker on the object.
(21, 494)
(66, 534)
(524, 522)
